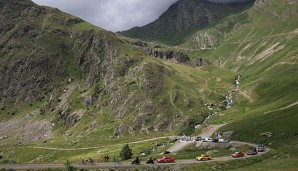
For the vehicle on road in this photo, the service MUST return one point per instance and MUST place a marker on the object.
(166, 152)
(223, 140)
(261, 149)
(207, 140)
(150, 161)
(166, 160)
(238, 154)
(215, 140)
(136, 161)
(198, 138)
(252, 152)
(203, 157)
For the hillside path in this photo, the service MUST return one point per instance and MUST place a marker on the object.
(283, 108)
(89, 148)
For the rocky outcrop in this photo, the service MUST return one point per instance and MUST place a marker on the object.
(140, 43)
(205, 40)
(261, 3)
(179, 57)
(198, 62)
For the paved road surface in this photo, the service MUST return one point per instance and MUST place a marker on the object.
(112, 164)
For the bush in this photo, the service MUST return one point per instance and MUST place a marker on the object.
(126, 152)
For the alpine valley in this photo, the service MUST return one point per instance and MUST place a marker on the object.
(71, 90)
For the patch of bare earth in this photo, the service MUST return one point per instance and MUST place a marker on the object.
(25, 129)
(268, 52)
(70, 88)
(246, 95)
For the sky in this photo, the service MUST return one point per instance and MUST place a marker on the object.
(115, 15)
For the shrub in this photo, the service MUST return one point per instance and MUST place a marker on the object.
(126, 152)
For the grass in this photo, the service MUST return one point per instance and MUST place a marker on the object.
(27, 154)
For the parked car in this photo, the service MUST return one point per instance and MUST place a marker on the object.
(166, 160)
(166, 152)
(215, 140)
(252, 152)
(203, 157)
(223, 140)
(238, 154)
(261, 149)
(207, 140)
(198, 138)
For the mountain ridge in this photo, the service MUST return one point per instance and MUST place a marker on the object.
(183, 18)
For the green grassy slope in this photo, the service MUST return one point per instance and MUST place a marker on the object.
(264, 51)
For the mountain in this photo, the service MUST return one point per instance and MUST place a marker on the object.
(184, 18)
(61, 75)
(70, 90)
(260, 44)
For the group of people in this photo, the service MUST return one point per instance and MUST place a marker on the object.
(107, 158)
(86, 161)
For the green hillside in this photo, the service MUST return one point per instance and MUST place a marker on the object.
(264, 51)
(260, 44)
(68, 85)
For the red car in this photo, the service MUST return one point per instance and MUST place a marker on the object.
(166, 160)
(238, 154)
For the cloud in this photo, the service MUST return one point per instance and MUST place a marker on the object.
(227, 1)
(115, 15)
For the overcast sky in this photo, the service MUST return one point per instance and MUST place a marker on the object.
(115, 15)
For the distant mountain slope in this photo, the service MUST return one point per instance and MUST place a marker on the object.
(264, 51)
(182, 19)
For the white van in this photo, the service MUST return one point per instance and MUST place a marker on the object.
(223, 141)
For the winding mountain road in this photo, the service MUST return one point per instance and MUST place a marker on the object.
(114, 164)
(207, 132)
